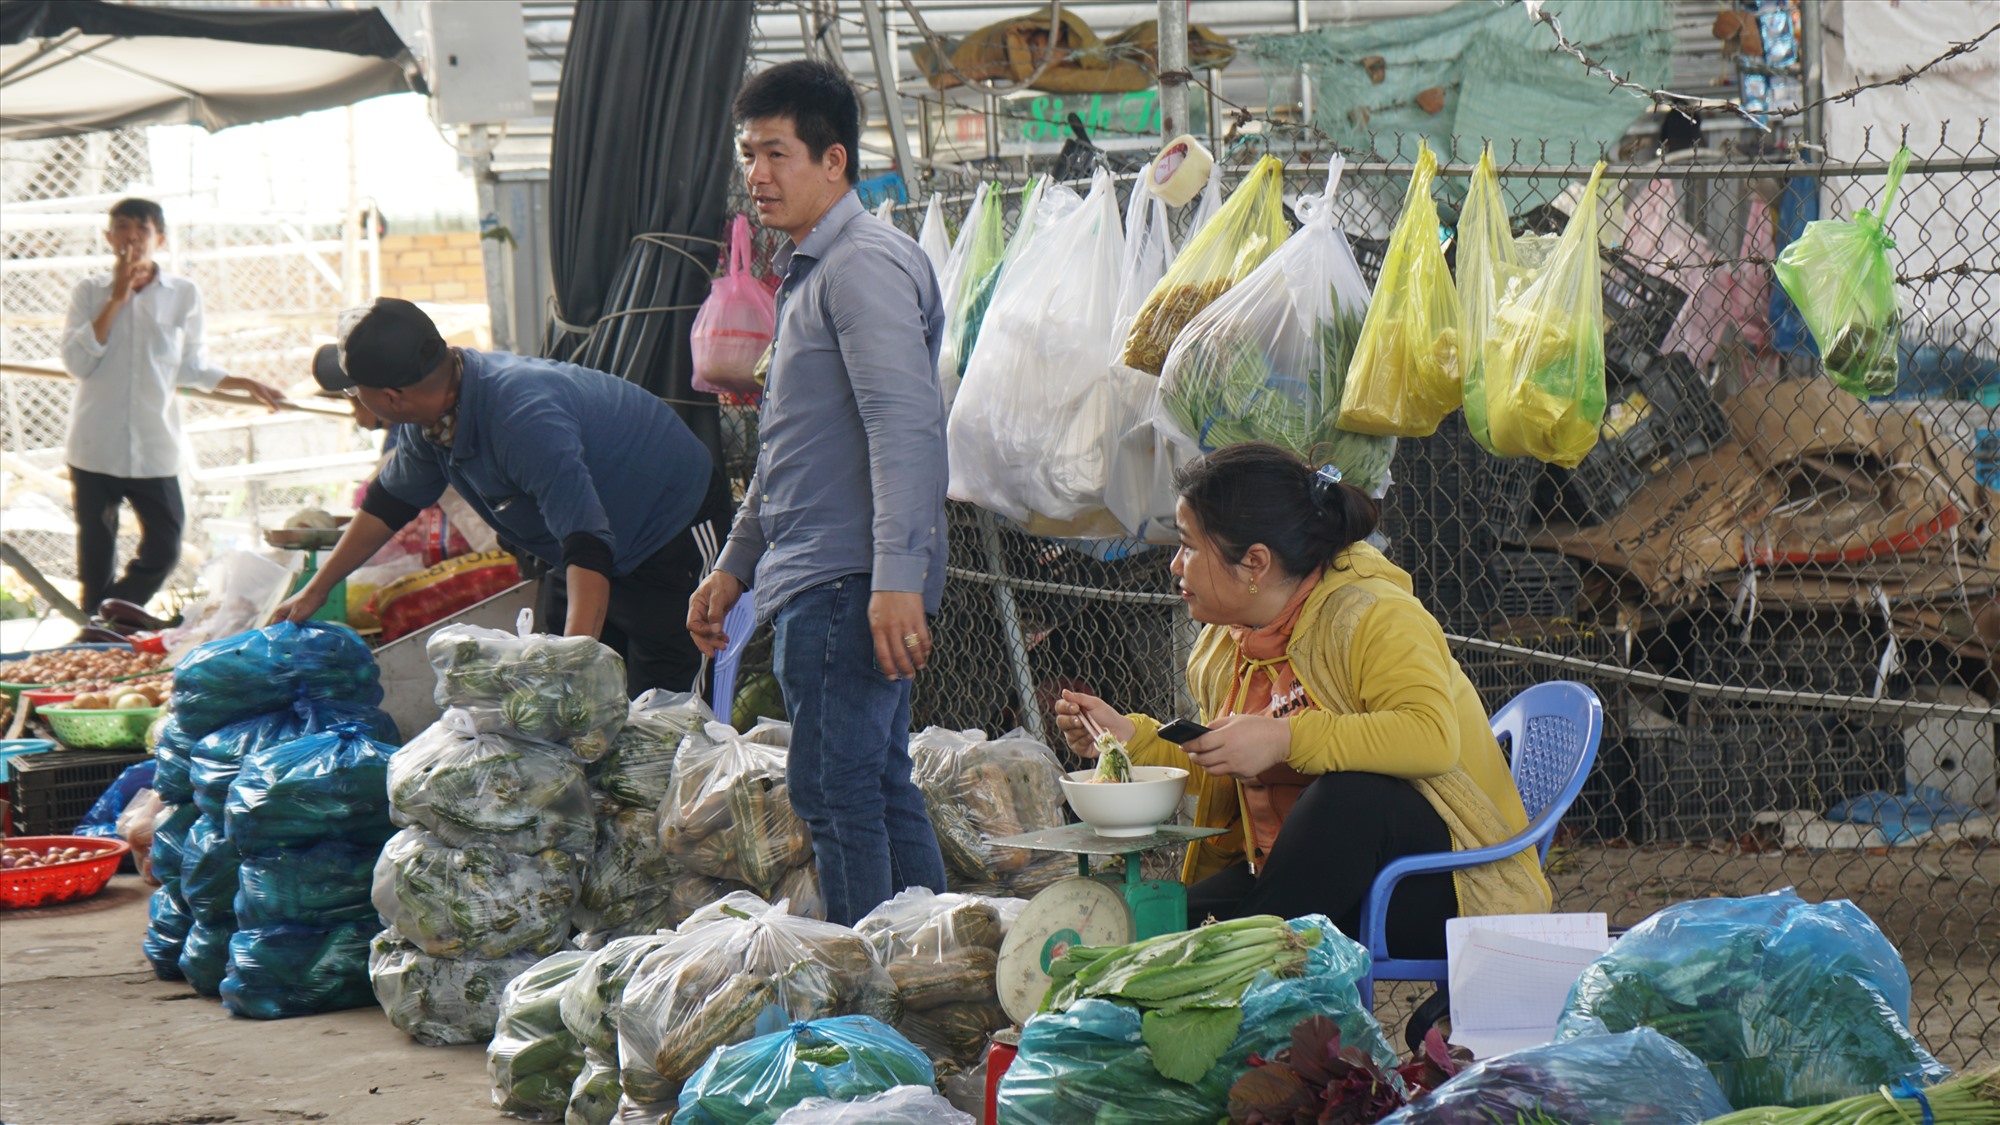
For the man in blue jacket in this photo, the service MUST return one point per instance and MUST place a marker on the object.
(583, 470)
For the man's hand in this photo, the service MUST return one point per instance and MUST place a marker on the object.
(263, 392)
(902, 637)
(1242, 746)
(124, 273)
(300, 607)
(1074, 707)
(706, 609)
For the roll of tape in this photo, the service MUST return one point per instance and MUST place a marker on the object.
(1181, 170)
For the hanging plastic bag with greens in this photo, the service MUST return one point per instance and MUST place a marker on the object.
(1404, 376)
(1839, 275)
(1268, 360)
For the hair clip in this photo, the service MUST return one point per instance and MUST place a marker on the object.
(1324, 482)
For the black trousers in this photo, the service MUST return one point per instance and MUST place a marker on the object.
(647, 619)
(1344, 828)
(157, 500)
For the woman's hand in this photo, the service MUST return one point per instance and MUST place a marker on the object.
(1070, 711)
(1242, 746)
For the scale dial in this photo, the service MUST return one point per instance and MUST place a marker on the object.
(1074, 911)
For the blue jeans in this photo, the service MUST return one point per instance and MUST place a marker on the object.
(849, 773)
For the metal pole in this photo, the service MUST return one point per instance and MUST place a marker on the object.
(892, 96)
(1173, 68)
(1812, 55)
(350, 231)
(1305, 80)
(1010, 625)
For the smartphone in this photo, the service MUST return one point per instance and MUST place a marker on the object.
(1182, 730)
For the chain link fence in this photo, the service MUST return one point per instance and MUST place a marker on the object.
(1784, 597)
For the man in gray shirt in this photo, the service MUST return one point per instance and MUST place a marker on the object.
(842, 532)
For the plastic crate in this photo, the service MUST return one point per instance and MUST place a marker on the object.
(1369, 254)
(1600, 487)
(1533, 584)
(1691, 785)
(1639, 308)
(52, 790)
(1829, 653)
(1857, 755)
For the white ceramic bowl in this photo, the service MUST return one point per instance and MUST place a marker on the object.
(1126, 808)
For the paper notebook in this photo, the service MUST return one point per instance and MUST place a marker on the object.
(1510, 975)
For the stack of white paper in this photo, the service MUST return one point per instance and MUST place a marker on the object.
(1510, 975)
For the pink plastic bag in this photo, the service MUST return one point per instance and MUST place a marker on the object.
(735, 324)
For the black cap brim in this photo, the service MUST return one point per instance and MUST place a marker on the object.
(327, 371)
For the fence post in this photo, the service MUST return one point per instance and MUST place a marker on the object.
(1010, 624)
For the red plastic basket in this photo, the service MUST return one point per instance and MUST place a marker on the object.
(29, 887)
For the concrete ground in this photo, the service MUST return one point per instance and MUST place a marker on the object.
(88, 1036)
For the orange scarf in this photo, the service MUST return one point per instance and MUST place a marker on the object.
(1267, 685)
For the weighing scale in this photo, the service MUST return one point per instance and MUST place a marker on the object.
(312, 540)
(1087, 909)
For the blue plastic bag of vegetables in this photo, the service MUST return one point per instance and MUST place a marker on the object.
(173, 751)
(209, 872)
(1091, 1064)
(205, 955)
(842, 1058)
(325, 884)
(1634, 1078)
(327, 786)
(1787, 1002)
(265, 670)
(278, 972)
(218, 758)
(169, 841)
(167, 923)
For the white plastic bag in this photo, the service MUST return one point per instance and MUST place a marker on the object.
(904, 1105)
(1031, 430)
(943, 950)
(976, 789)
(728, 813)
(931, 238)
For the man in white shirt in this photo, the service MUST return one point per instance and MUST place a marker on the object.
(134, 337)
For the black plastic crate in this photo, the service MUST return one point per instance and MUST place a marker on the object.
(1500, 677)
(1639, 308)
(1600, 487)
(1691, 785)
(1369, 254)
(54, 789)
(1828, 653)
(1856, 755)
(1533, 584)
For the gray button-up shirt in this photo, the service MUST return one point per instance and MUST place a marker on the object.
(851, 468)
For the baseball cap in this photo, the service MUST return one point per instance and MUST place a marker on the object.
(388, 344)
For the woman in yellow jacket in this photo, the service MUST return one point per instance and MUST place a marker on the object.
(1343, 734)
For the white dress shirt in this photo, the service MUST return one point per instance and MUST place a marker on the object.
(126, 422)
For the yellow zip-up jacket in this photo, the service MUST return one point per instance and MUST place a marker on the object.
(1388, 698)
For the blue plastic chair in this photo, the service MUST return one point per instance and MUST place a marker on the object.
(1551, 732)
(739, 623)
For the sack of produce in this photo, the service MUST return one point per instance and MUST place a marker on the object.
(475, 900)
(1634, 1076)
(569, 690)
(590, 1002)
(977, 789)
(277, 972)
(266, 670)
(1404, 376)
(173, 752)
(594, 1096)
(233, 743)
(629, 871)
(1839, 275)
(951, 280)
(1542, 356)
(208, 872)
(533, 1059)
(1113, 1044)
(735, 324)
(727, 814)
(440, 1001)
(167, 925)
(1248, 229)
(413, 601)
(1491, 268)
(641, 761)
(326, 884)
(941, 951)
(470, 787)
(904, 1105)
(1268, 360)
(1788, 1002)
(984, 237)
(690, 893)
(799, 891)
(1028, 427)
(712, 983)
(205, 955)
(842, 1058)
(594, 933)
(170, 844)
(327, 786)
(211, 781)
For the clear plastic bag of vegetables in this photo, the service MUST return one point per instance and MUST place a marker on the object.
(713, 983)
(167, 924)
(278, 972)
(993, 250)
(640, 764)
(942, 950)
(629, 871)
(1636, 1077)
(473, 787)
(1542, 355)
(440, 1001)
(209, 871)
(692, 893)
(904, 1105)
(594, 1096)
(1839, 275)
(1027, 429)
(266, 670)
(977, 789)
(1788, 1002)
(590, 1002)
(533, 1059)
(324, 884)
(843, 1058)
(332, 785)
(477, 900)
(569, 690)
(1404, 377)
(1248, 228)
(728, 813)
(1268, 360)
(204, 957)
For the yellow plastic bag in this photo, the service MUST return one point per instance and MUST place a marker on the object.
(1404, 375)
(1543, 353)
(1489, 271)
(1245, 232)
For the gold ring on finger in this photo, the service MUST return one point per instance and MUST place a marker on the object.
(910, 640)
